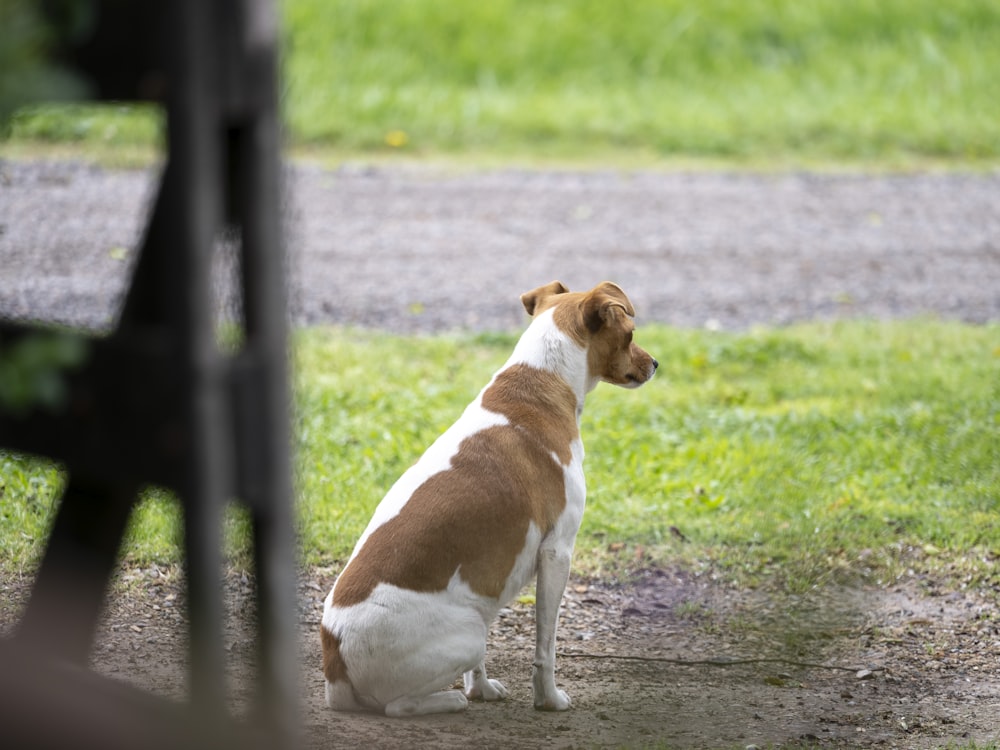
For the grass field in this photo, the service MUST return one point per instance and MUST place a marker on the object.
(765, 82)
(794, 455)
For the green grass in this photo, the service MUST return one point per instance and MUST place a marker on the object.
(795, 455)
(821, 79)
(800, 453)
(28, 492)
(776, 81)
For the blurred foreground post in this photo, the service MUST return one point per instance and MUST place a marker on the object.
(158, 402)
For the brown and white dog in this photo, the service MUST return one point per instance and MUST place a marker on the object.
(497, 499)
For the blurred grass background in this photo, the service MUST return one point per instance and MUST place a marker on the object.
(892, 82)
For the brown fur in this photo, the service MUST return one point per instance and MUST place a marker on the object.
(539, 403)
(474, 517)
(333, 665)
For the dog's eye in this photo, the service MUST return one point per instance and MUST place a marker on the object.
(628, 338)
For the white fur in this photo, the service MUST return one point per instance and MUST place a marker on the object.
(400, 644)
(546, 347)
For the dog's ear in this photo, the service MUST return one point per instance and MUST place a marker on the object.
(604, 302)
(534, 300)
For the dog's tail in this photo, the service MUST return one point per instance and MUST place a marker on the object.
(339, 691)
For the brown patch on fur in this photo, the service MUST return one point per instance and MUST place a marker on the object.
(540, 403)
(536, 297)
(613, 356)
(589, 312)
(334, 668)
(473, 517)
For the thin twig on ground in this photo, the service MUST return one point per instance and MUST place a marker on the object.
(721, 662)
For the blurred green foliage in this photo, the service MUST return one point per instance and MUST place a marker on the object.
(27, 74)
(33, 370)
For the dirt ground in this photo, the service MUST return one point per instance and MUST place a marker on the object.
(672, 659)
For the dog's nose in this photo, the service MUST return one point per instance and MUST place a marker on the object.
(655, 364)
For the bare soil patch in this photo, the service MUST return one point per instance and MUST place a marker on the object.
(671, 659)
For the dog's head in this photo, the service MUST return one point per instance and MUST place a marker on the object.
(601, 321)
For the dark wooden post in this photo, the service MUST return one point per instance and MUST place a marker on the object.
(158, 401)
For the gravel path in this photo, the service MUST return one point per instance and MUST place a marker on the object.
(423, 249)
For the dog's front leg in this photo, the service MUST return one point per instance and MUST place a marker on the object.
(553, 573)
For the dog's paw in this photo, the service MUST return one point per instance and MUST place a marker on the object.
(494, 690)
(446, 701)
(487, 690)
(558, 701)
